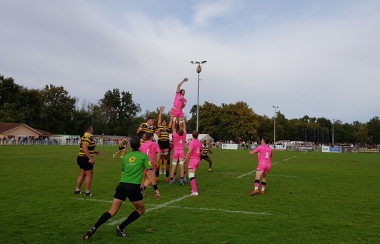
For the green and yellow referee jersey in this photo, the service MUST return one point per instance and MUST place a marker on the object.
(133, 165)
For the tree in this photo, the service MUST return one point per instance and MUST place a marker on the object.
(58, 109)
(238, 122)
(374, 129)
(209, 119)
(119, 109)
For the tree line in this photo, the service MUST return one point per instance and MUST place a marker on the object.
(53, 109)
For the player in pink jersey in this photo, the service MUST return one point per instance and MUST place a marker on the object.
(179, 104)
(179, 142)
(193, 156)
(264, 155)
(152, 149)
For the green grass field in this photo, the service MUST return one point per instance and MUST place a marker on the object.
(310, 198)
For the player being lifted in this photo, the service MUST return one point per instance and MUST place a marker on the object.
(205, 151)
(264, 155)
(163, 142)
(122, 147)
(179, 104)
(179, 142)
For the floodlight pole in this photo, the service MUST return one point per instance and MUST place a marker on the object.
(333, 132)
(198, 70)
(274, 125)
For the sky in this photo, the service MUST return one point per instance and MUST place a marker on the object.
(314, 58)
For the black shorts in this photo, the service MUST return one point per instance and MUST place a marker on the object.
(84, 163)
(132, 191)
(205, 157)
(121, 148)
(163, 144)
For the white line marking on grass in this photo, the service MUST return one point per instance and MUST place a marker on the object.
(166, 205)
(241, 176)
(286, 159)
(117, 221)
(220, 210)
(287, 176)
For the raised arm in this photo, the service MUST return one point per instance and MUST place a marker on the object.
(160, 115)
(180, 84)
(184, 125)
(174, 129)
(171, 120)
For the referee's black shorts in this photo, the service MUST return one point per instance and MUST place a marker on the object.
(163, 144)
(84, 163)
(205, 157)
(132, 191)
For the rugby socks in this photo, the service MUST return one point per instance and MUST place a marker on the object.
(165, 161)
(171, 180)
(257, 183)
(77, 189)
(263, 185)
(181, 179)
(106, 216)
(157, 173)
(193, 184)
(132, 217)
(175, 176)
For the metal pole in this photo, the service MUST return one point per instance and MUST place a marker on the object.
(274, 125)
(198, 104)
(333, 133)
(198, 70)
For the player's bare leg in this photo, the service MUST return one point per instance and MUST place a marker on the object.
(257, 182)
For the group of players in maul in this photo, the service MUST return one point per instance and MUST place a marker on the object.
(141, 167)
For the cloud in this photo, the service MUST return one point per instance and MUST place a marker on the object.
(204, 12)
(320, 66)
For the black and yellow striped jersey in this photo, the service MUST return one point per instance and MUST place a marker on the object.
(146, 129)
(165, 131)
(89, 141)
(123, 143)
(205, 150)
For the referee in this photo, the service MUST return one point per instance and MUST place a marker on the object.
(129, 187)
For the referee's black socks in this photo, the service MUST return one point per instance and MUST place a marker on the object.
(106, 216)
(132, 217)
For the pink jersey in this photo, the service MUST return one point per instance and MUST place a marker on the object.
(196, 149)
(264, 153)
(178, 101)
(150, 148)
(179, 142)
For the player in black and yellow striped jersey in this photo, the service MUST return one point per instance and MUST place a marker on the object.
(122, 147)
(205, 151)
(164, 143)
(85, 160)
(147, 127)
